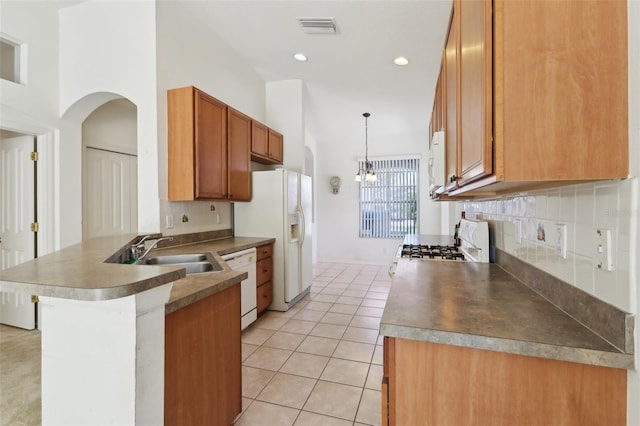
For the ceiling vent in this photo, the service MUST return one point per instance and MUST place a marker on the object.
(318, 25)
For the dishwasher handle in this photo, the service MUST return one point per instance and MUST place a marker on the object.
(236, 254)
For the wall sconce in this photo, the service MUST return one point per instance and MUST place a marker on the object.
(335, 183)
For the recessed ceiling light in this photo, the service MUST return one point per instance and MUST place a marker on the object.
(401, 61)
(301, 57)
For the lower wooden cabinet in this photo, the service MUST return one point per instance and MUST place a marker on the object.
(264, 277)
(434, 384)
(203, 363)
(265, 296)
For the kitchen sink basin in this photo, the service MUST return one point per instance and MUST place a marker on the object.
(176, 258)
(194, 263)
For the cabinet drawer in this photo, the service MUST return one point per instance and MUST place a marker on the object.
(264, 251)
(264, 271)
(264, 296)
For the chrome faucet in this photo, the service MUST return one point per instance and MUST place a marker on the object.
(151, 247)
(137, 248)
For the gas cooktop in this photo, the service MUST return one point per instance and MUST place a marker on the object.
(421, 251)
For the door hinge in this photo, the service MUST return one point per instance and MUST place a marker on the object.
(34, 156)
(35, 227)
(34, 298)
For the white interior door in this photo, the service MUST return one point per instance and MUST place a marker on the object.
(17, 207)
(110, 193)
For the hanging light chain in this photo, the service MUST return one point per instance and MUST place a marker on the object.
(367, 173)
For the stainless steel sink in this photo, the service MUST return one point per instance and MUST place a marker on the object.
(176, 258)
(194, 263)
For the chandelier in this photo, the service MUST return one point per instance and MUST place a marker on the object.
(367, 173)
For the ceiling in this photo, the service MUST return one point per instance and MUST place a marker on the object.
(348, 73)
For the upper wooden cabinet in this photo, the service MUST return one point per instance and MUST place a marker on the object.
(539, 96)
(197, 145)
(266, 144)
(449, 74)
(474, 94)
(239, 163)
(276, 149)
(211, 146)
(438, 113)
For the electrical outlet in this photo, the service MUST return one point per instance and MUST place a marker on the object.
(169, 221)
(561, 240)
(603, 258)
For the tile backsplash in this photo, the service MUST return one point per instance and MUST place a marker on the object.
(199, 216)
(527, 226)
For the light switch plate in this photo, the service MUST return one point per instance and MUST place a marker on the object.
(602, 258)
(169, 221)
(561, 240)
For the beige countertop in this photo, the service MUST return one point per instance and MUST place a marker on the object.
(195, 287)
(82, 272)
(481, 306)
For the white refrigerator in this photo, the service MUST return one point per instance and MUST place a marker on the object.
(280, 208)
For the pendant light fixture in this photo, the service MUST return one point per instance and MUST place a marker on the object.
(367, 173)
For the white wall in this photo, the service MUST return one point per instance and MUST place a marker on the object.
(110, 47)
(190, 54)
(310, 170)
(113, 127)
(338, 213)
(33, 108)
(285, 114)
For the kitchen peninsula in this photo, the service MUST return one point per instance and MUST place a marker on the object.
(103, 335)
(469, 343)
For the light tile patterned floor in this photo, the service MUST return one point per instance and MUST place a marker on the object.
(320, 363)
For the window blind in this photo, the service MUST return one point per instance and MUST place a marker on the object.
(389, 205)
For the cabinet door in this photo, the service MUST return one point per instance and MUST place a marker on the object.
(259, 139)
(475, 98)
(203, 372)
(450, 71)
(239, 164)
(210, 147)
(275, 146)
(264, 270)
(264, 297)
(437, 113)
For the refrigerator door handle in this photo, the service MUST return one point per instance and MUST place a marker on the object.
(304, 225)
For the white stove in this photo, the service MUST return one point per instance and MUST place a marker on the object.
(471, 244)
(474, 240)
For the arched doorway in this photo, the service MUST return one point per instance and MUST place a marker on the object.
(110, 195)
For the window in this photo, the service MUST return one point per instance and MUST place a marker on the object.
(10, 60)
(389, 205)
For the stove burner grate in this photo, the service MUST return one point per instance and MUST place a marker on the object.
(420, 251)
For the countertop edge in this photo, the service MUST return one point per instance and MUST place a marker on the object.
(96, 294)
(210, 290)
(496, 344)
(46, 276)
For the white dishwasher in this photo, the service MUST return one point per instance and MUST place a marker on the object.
(245, 261)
